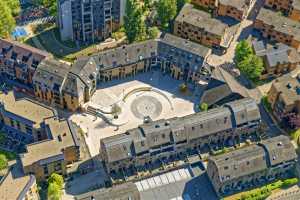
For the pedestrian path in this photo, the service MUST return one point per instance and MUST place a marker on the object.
(163, 179)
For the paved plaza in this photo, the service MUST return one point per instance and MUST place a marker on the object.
(150, 94)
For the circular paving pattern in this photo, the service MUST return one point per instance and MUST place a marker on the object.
(144, 106)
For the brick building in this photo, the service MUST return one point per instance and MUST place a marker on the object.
(19, 61)
(278, 28)
(252, 166)
(200, 27)
(51, 143)
(163, 140)
(284, 96)
(278, 59)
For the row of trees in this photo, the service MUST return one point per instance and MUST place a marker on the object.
(249, 64)
(8, 10)
(51, 5)
(135, 27)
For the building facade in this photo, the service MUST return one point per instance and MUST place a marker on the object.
(182, 59)
(19, 61)
(200, 27)
(284, 96)
(162, 140)
(278, 28)
(252, 166)
(87, 21)
(65, 86)
(236, 9)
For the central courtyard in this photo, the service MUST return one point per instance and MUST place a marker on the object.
(120, 105)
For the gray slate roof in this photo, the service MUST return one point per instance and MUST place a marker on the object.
(201, 19)
(221, 85)
(280, 23)
(51, 73)
(165, 131)
(253, 158)
(169, 47)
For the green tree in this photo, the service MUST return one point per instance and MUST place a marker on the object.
(180, 4)
(57, 179)
(242, 51)
(153, 32)
(7, 22)
(134, 25)
(203, 106)
(54, 192)
(166, 11)
(51, 5)
(252, 66)
(14, 6)
(3, 161)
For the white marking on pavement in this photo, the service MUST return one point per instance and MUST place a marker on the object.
(170, 177)
(164, 179)
(157, 180)
(139, 186)
(151, 183)
(145, 184)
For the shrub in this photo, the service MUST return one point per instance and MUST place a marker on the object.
(57, 179)
(3, 162)
(289, 182)
(183, 87)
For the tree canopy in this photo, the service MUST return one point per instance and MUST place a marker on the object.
(134, 24)
(203, 106)
(7, 22)
(54, 192)
(14, 6)
(55, 185)
(3, 161)
(153, 32)
(252, 66)
(50, 4)
(57, 179)
(166, 11)
(242, 50)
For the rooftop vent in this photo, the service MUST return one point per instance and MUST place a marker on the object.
(167, 123)
(289, 86)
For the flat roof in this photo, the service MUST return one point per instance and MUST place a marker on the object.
(26, 108)
(62, 136)
(15, 183)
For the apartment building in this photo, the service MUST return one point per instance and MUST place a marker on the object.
(280, 5)
(19, 61)
(284, 96)
(51, 143)
(182, 59)
(162, 140)
(23, 118)
(53, 154)
(88, 21)
(65, 86)
(278, 59)
(16, 185)
(278, 28)
(200, 27)
(252, 166)
(236, 9)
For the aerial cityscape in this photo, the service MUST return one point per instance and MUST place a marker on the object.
(149, 99)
